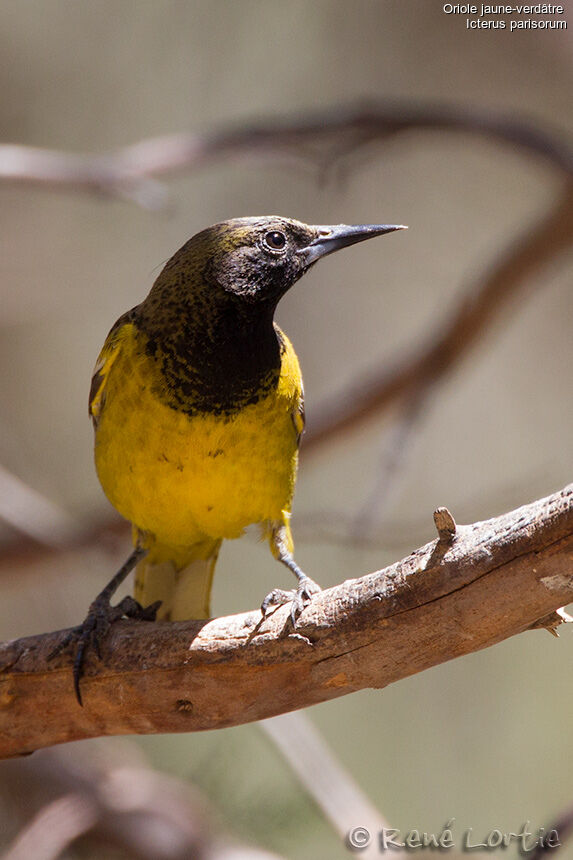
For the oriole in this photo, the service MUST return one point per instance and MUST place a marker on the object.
(197, 405)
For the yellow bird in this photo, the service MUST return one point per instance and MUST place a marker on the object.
(197, 405)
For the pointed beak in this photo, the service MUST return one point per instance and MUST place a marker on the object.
(330, 239)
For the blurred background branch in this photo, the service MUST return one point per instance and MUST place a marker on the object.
(320, 139)
(110, 796)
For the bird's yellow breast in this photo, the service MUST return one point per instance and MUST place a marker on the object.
(182, 477)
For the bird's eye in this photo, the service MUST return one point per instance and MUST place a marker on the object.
(275, 240)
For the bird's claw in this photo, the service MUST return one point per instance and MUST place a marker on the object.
(299, 597)
(91, 633)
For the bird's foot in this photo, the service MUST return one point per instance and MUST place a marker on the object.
(91, 633)
(299, 597)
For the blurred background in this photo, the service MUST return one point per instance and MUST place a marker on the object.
(485, 739)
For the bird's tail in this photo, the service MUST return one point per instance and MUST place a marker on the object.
(180, 578)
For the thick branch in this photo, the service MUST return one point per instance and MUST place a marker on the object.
(492, 580)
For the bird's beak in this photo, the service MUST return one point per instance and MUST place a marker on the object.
(331, 239)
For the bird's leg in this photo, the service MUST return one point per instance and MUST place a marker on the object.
(299, 597)
(101, 615)
(281, 545)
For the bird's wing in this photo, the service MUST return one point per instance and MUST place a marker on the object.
(104, 363)
(298, 415)
(290, 382)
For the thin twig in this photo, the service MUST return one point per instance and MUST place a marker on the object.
(390, 468)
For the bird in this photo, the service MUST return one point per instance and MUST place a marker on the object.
(197, 405)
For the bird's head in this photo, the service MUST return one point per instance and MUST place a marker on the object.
(259, 259)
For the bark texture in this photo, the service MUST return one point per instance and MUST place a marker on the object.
(472, 587)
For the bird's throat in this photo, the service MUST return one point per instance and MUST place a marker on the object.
(211, 357)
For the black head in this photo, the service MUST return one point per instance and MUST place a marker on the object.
(209, 316)
(258, 259)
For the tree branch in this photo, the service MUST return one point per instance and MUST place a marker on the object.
(110, 795)
(453, 338)
(490, 581)
(320, 138)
